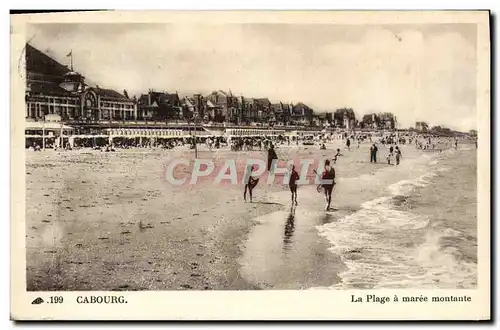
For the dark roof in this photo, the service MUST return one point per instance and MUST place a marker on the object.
(160, 98)
(167, 98)
(39, 62)
(248, 100)
(276, 106)
(143, 99)
(386, 115)
(368, 117)
(263, 101)
(111, 94)
(47, 88)
(343, 111)
(301, 105)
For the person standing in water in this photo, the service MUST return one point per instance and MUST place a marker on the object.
(294, 176)
(398, 155)
(328, 174)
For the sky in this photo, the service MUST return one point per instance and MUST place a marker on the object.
(418, 72)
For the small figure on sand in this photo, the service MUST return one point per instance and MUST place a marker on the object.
(294, 176)
(250, 184)
(328, 174)
(373, 153)
(398, 155)
(323, 146)
(390, 155)
(348, 144)
(337, 155)
(271, 155)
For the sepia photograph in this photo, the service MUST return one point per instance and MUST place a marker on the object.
(219, 155)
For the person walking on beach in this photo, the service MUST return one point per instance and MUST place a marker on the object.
(373, 153)
(348, 144)
(294, 176)
(328, 174)
(250, 184)
(271, 155)
(337, 155)
(398, 155)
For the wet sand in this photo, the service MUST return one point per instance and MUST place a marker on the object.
(109, 221)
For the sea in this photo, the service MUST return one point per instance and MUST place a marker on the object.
(419, 231)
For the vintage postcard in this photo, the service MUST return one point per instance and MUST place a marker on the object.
(292, 165)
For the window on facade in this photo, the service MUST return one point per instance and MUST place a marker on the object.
(43, 110)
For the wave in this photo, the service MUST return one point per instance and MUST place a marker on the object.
(383, 247)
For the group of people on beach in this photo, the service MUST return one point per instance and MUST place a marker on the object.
(328, 176)
(394, 153)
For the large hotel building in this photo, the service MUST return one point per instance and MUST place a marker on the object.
(55, 94)
(54, 89)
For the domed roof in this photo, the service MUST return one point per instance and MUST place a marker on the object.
(72, 73)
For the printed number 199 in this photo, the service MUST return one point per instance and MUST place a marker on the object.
(56, 300)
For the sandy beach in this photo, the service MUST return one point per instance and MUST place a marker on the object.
(110, 221)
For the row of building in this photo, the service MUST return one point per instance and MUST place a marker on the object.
(222, 107)
(55, 89)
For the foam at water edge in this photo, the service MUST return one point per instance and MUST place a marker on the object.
(382, 247)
